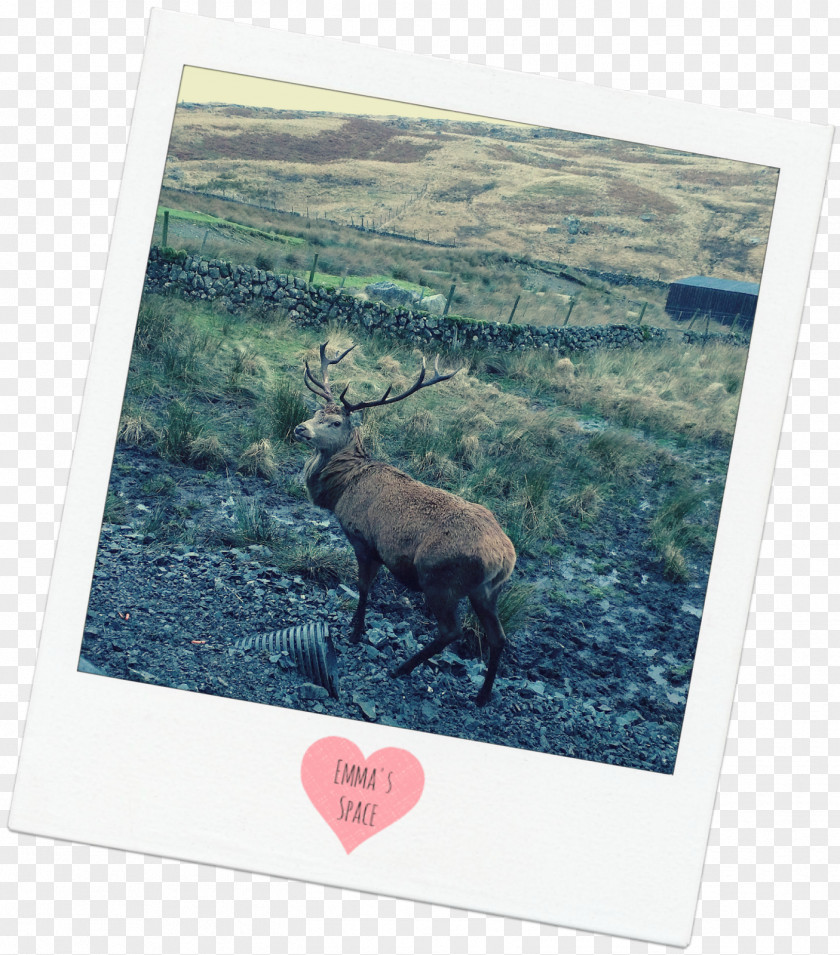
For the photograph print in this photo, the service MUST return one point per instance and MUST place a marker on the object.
(428, 420)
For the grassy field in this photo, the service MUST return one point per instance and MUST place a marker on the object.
(217, 224)
(596, 203)
(488, 284)
(550, 445)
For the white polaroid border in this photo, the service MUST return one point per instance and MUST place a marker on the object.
(500, 830)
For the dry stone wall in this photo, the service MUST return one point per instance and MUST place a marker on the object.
(245, 286)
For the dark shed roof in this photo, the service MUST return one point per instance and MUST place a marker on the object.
(723, 285)
(725, 300)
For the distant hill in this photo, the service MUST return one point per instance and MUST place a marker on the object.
(555, 195)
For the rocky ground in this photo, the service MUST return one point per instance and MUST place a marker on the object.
(600, 672)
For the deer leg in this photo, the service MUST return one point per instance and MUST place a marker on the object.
(484, 604)
(368, 569)
(445, 609)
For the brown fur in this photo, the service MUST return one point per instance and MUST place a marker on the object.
(429, 539)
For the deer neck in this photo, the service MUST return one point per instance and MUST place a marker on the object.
(327, 475)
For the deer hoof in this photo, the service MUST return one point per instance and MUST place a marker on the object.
(482, 699)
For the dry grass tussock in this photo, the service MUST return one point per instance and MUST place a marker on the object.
(206, 451)
(565, 371)
(326, 566)
(137, 429)
(247, 362)
(688, 390)
(389, 366)
(259, 458)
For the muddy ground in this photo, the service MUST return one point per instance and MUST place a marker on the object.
(600, 672)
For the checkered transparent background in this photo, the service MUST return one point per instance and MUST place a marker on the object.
(70, 70)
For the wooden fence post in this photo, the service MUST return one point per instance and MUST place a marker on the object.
(513, 310)
(204, 242)
(572, 303)
(165, 238)
(449, 299)
(642, 313)
(314, 266)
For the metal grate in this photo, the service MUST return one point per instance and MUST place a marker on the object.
(308, 646)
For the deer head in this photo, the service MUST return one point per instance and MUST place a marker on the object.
(331, 428)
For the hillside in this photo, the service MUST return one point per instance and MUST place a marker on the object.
(606, 473)
(554, 195)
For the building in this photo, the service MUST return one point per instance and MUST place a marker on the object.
(724, 299)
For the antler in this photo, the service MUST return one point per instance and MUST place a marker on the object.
(385, 400)
(322, 387)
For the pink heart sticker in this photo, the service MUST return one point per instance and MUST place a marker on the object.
(360, 797)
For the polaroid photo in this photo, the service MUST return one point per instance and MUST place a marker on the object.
(420, 480)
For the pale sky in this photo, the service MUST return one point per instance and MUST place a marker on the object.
(199, 85)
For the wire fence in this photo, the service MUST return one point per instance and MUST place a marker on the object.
(589, 305)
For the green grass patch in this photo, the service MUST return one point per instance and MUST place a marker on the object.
(252, 524)
(161, 485)
(116, 510)
(674, 531)
(189, 439)
(324, 565)
(516, 608)
(215, 222)
(162, 524)
(283, 409)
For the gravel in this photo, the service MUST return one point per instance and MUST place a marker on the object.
(600, 672)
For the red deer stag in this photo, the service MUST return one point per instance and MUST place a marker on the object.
(429, 539)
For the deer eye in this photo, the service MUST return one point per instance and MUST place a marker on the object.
(335, 424)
